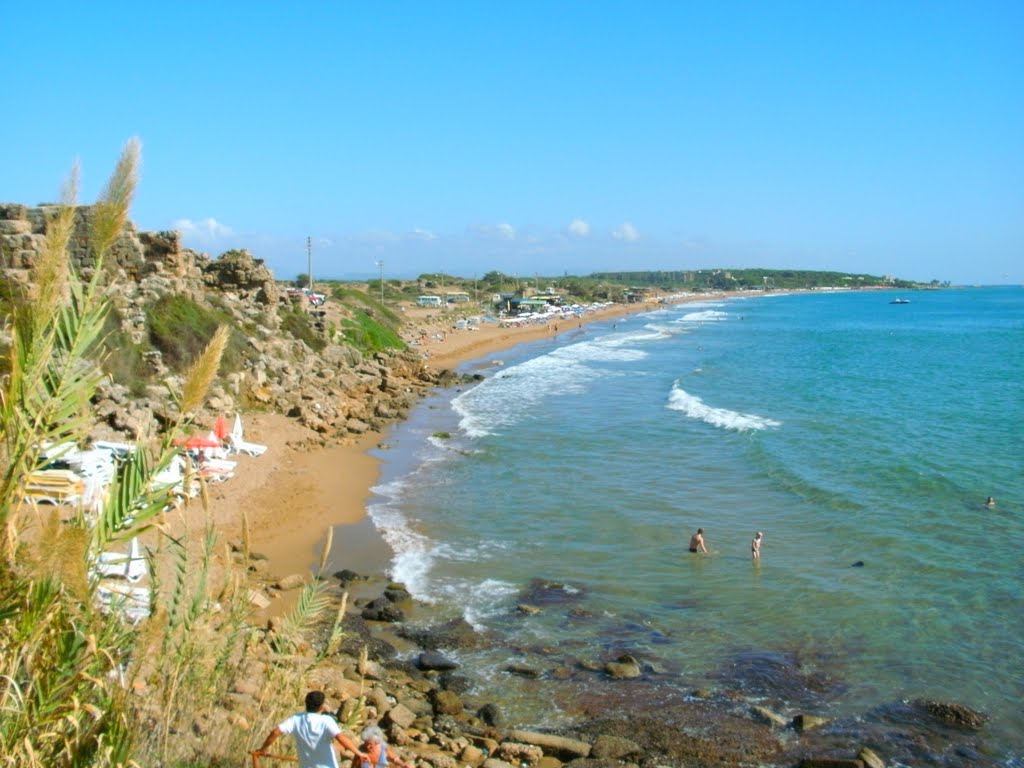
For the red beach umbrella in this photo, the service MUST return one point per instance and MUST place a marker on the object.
(220, 427)
(200, 441)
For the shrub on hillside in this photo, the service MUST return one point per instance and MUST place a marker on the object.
(122, 360)
(296, 323)
(353, 299)
(368, 336)
(180, 329)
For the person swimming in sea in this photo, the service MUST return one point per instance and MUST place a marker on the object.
(990, 502)
(697, 542)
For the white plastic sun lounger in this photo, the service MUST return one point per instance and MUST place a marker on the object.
(240, 445)
(131, 566)
(217, 467)
(131, 602)
(236, 440)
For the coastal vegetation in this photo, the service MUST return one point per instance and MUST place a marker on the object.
(195, 679)
(751, 279)
(180, 328)
(295, 322)
(616, 286)
(370, 326)
(79, 686)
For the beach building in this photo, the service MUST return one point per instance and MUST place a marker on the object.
(637, 294)
(518, 306)
(549, 297)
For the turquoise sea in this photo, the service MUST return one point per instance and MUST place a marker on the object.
(847, 429)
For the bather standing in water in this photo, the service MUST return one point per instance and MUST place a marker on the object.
(697, 542)
(755, 546)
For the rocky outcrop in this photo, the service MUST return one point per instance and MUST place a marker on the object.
(335, 392)
(237, 272)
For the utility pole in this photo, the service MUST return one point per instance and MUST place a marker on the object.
(309, 260)
(380, 264)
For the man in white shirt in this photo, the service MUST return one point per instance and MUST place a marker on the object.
(315, 734)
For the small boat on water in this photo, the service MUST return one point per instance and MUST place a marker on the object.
(900, 301)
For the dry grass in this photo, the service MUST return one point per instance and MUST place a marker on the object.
(80, 687)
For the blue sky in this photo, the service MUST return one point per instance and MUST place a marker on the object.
(539, 137)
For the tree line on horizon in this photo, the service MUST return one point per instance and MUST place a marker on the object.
(605, 286)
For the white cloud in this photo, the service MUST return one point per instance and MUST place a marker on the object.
(501, 231)
(506, 231)
(579, 228)
(422, 234)
(627, 233)
(205, 229)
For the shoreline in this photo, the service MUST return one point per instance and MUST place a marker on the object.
(314, 485)
(304, 485)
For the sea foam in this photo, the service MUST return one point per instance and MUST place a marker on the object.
(507, 398)
(691, 405)
(704, 316)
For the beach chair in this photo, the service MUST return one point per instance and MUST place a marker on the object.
(215, 474)
(219, 465)
(133, 603)
(236, 440)
(173, 477)
(54, 486)
(131, 566)
(238, 445)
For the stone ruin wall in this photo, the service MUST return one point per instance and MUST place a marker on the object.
(333, 392)
(143, 266)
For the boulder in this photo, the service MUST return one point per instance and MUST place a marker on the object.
(519, 754)
(397, 593)
(491, 715)
(552, 743)
(456, 633)
(382, 610)
(623, 668)
(345, 576)
(292, 581)
(401, 716)
(804, 722)
(446, 703)
(954, 714)
(471, 755)
(767, 716)
(432, 660)
(523, 670)
(613, 747)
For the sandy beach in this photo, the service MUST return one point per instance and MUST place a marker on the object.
(301, 486)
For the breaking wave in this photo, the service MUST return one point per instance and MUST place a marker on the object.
(691, 405)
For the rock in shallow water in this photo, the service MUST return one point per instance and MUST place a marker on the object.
(953, 714)
(432, 660)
